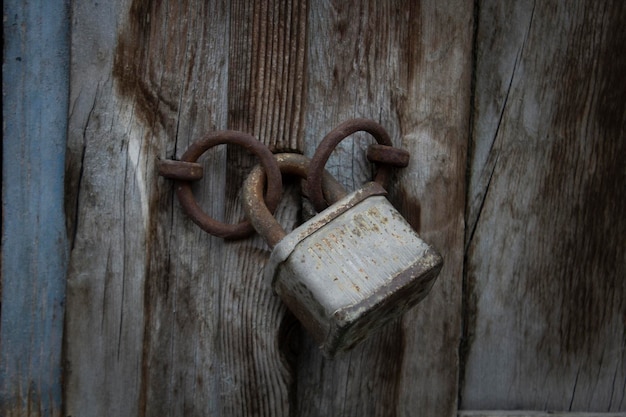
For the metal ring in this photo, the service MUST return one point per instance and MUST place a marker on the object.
(328, 144)
(189, 203)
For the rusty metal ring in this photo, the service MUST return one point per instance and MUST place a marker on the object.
(328, 144)
(252, 145)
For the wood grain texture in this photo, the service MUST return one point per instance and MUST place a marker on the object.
(35, 82)
(148, 78)
(407, 66)
(265, 97)
(267, 71)
(546, 254)
(162, 318)
(165, 320)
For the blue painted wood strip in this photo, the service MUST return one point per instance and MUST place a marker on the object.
(34, 245)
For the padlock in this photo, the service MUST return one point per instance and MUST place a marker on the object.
(348, 270)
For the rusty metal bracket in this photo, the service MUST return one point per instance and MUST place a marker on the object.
(388, 155)
(180, 170)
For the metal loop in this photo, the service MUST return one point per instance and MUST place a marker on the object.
(256, 210)
(328, 144)
(189, 203)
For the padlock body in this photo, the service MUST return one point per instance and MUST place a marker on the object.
(352, 268)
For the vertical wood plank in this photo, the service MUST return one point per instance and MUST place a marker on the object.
(406, 65)
(148, 78)
(34, 247)
(546, 254)
(265, 98)
(164, 319)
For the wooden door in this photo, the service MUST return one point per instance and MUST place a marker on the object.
(163, 318)
(514, 115)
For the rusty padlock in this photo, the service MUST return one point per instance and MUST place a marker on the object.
(348, 270)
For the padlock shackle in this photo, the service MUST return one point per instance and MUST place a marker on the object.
(254, 204)
(330, 142)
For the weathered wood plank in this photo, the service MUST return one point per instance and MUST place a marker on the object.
(148, 78)
(546, 254)
(406, 65)
(35, 78)
(164, 319)
(265, 98)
